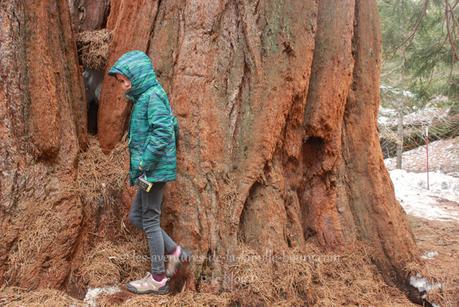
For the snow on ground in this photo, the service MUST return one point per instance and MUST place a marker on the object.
(429, 255)
(443, 156)
(411, 191)
(389, 117)
(422, 284)
(442, 200)
(90, 299)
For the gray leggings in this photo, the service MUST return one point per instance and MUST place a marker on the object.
(145, 213)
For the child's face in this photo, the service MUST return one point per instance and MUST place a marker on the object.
(124, 82)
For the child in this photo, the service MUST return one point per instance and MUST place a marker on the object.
(152, 141)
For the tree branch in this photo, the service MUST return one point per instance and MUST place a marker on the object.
(450, 31)
(411, 36)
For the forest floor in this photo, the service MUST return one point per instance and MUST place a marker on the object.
(322, 280)
(434, 213)
(438, 243)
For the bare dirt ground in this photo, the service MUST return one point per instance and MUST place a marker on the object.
(438, 242)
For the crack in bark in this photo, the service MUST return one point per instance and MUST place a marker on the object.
(153, 26)
(249, 31)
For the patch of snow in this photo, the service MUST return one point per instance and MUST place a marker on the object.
(443, 156)
(439, 99)
(411, 191)
(422, 284)
(429, 255)
(396, 91)
(90, 298)
(387, 116)
(424, 116)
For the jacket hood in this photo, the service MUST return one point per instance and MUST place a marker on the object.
(138, 68)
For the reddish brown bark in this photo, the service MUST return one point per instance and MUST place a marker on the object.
(88, 15)
(377, 215)
(286, 167)
(330, 82)
(43, 128)
(130, 23)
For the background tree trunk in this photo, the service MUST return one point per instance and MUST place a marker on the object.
(277, 107)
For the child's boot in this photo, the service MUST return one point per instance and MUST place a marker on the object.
(148, 285)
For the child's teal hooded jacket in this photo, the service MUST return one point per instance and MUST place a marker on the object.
(152, 127)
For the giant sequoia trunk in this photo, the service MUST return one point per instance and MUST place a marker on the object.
(277, 108)
(43, 113)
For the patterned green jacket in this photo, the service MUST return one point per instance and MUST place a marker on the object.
(152, 127)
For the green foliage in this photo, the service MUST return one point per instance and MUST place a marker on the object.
(420, 47)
